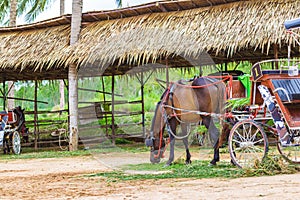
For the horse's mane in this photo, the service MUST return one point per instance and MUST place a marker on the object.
(163, 95)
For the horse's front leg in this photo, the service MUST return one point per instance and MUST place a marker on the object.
(186, 144)
(172, 147)
(172, 128)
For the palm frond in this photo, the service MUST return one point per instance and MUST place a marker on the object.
(36, 7)
(4, 9)
(119, 3)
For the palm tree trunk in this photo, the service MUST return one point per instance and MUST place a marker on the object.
(62, 7)
(13, 12)
(73, 81)
(12, 22)
(61, 82)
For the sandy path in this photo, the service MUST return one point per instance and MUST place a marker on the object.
(64, 178)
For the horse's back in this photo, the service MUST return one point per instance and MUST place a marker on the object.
(210, 93)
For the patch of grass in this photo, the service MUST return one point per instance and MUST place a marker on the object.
(29, 154)
(271, 165)
(198, 169)
(45, 154)
(134, 147)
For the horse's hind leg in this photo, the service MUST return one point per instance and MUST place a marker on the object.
(214, 137)
(186, 145)
(216, 154)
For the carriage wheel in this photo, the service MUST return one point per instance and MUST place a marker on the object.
(247, 143)
(292, 153)
(16, 143)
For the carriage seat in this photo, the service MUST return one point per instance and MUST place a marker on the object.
(292, 86)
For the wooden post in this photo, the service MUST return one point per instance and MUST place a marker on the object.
(36, 134)
(104, 99)
(143, 105)
(113, 108)
(276, 55)
(200, 71)
(4, 95)
(167, 73)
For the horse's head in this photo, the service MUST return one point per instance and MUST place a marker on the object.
(155, 138)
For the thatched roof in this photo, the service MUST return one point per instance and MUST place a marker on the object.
(228, 30)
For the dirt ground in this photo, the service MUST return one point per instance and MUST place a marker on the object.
(64, 178)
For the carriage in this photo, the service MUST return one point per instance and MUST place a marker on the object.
(12, 129)
(273, 112)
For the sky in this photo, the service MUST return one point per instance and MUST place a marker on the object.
(88, 5)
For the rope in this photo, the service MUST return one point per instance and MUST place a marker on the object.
(178, 137)
(197, 112)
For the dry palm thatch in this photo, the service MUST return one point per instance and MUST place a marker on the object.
(35, 49)
(233, 31)
(225, 29)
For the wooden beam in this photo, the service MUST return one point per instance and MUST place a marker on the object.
(22, 99)
(99, 91)
(161, 7)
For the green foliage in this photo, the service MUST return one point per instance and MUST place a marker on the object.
(4, 9)
(31, 9)
(119, 3)
(237, 104)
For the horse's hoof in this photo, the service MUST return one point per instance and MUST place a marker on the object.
(231, 161)
(212, 163)
(187, 162)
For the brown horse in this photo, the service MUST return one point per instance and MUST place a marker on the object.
(185, 104)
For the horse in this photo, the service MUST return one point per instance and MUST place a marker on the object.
(183, 104)
(13, 120)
